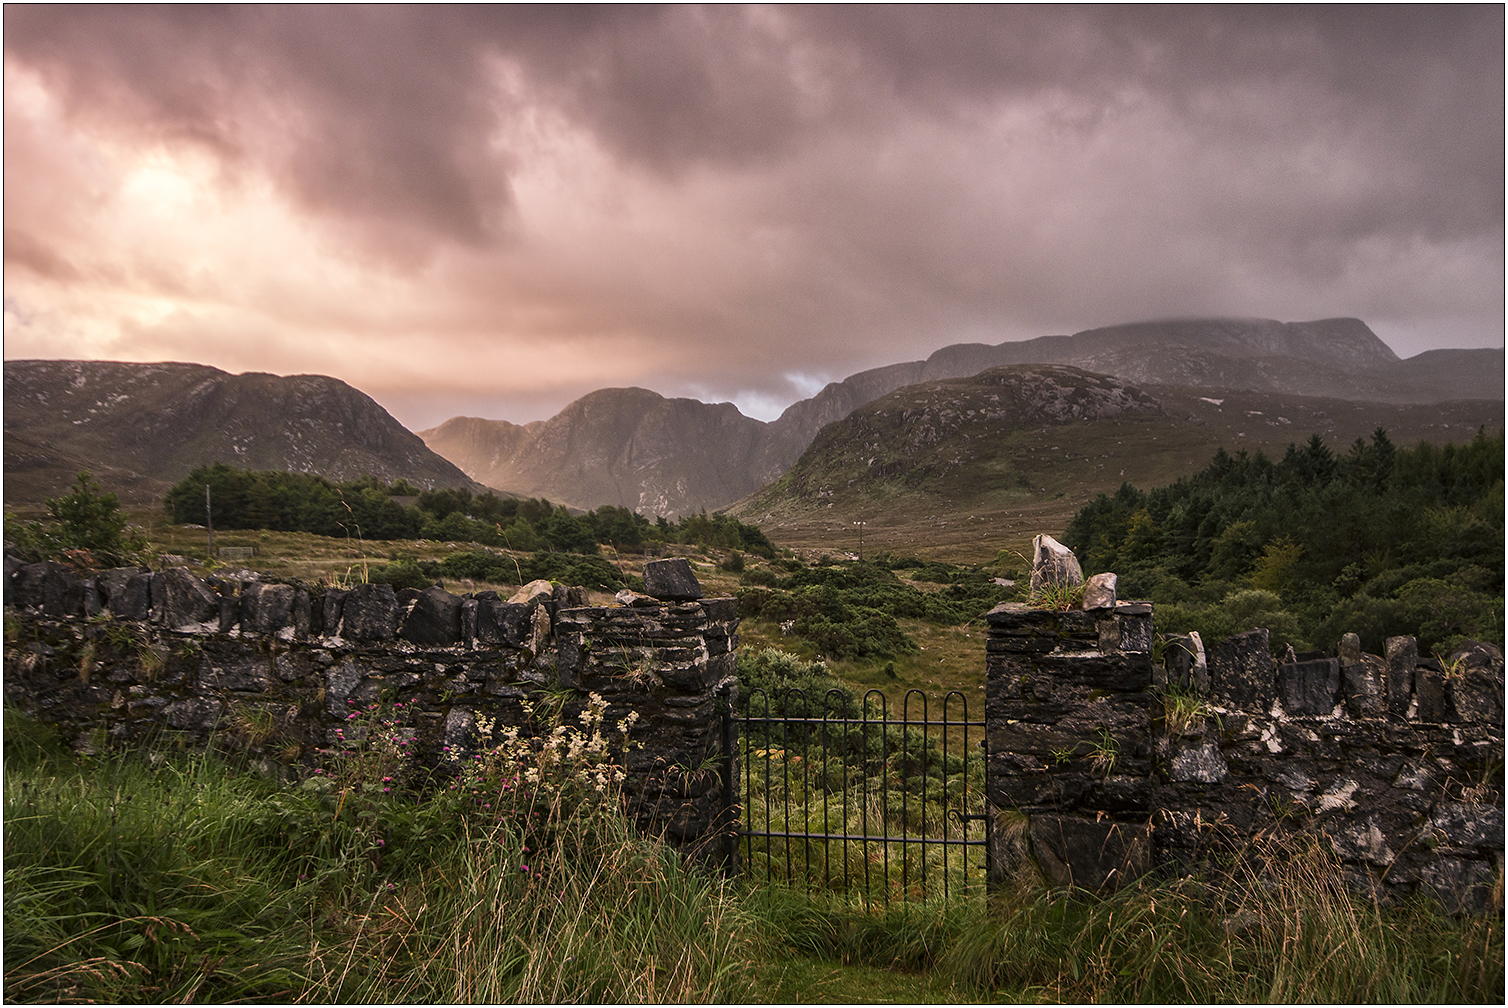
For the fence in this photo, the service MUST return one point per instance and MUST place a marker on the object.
(847, 799)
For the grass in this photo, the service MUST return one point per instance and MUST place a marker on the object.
(141, 878)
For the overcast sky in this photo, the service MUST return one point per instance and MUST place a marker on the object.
(490, 211)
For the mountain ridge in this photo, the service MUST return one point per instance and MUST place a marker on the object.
(139, 428)
(1333, 358)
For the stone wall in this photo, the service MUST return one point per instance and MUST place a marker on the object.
(130, 657)
(1111, 765)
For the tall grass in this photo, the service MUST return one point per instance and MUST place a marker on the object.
(139, 878)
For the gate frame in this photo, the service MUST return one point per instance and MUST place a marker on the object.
(738, 832)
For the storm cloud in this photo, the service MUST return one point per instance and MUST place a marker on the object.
(492, 210)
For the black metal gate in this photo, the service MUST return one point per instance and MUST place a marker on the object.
(845, 798)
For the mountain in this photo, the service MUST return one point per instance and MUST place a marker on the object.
(139, 428)
(962, 468)
(634, 448)
(630, 447)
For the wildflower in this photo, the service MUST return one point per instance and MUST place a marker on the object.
(382, 843)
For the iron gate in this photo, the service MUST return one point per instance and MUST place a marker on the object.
(847, 798)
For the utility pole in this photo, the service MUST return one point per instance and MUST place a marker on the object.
(209, 524)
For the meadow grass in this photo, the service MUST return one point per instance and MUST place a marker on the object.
(137, 877)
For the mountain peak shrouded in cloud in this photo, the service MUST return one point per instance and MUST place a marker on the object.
(494, 210)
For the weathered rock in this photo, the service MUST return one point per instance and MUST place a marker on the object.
(1402, 656)
(1364, 684)
(1086, 853)
(1185, 662)
(369, 612)
(1099, 592)
(303, 614)
(1309, 687)
(331, 604)
(1429, 691)
(671, 580)
(1201, 764)
(468, 620)
(1053, 564)
(568, 597)
(49, 586)
(630, 598)
(532, 591)
(134, 602)
(185, 599)
(111, 585)
(1474, 685)
(1349, 650)
(503, 622)
(270, 607)
(434, 619)
(1241, 672)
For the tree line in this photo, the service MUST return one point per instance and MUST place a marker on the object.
(1380, 540)
(370, 509)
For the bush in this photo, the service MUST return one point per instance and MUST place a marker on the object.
(87, 529)
(401, 574)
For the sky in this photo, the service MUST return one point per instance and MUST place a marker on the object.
(490, 211)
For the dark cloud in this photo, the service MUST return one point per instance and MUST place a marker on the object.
(759, 193)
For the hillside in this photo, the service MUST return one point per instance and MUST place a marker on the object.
(634, 448)
(935, 469)
(139, 428)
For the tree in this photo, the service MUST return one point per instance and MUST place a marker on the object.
(88, 519)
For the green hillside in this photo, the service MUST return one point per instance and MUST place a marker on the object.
(929, 471)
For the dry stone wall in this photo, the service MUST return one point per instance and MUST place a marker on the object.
(166, 658)
(1104, 765)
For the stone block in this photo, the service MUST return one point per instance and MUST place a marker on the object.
(672, 580)
(435, 619)
(230, 612)
(1099, 592)
(135, 599)
(369, 612)
(51, 587)
(1053, 564)
(1364, 686)
(532, 592)
(1309, 687)
(303, 614)
(272, 608)
(1118, 671)
(1186, 663)
(1429, 692)
(111, 585)
(1241, 672)
(1474, 689)
(1402, 656)
(468, 620)
(183, 599)
(331, 605)
(1087, 853)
